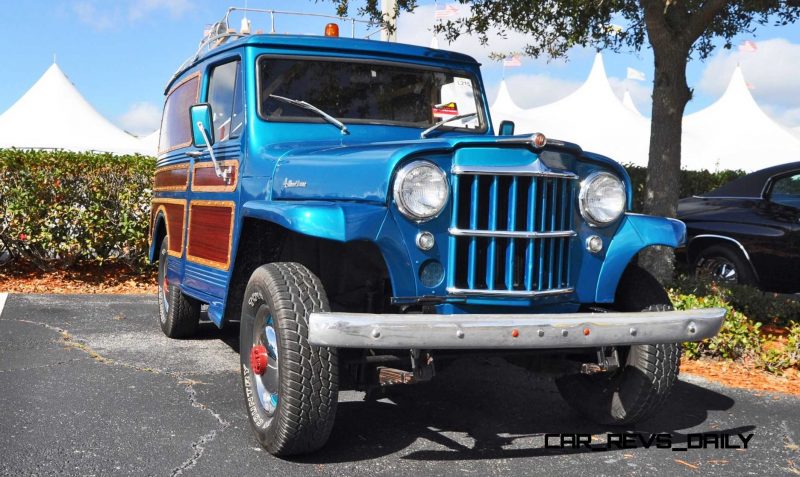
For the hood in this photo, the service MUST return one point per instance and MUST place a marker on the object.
(363, 172)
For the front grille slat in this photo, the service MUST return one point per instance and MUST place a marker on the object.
(511, 233)
(491, 253)
(542, 221)
(570, 215)
(531, 226)
(511, 225)
(473, 224)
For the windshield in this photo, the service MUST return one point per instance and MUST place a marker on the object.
(368, 93)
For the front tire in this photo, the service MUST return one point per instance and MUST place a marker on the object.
(290, 386)
(639, 388)
(179, 315)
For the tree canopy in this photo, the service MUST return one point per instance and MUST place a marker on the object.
(556, 26)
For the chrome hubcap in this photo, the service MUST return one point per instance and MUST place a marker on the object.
(264, 364)
(719, 269)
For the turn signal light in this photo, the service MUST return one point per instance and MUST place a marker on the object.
(331, 29)
(539, 140)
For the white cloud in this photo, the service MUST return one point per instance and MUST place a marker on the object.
(787, 117)
(141, 8)
(106, 15)
(772, 70)
(416, 28)
(89, 14)
(141, 118)
(532, 90)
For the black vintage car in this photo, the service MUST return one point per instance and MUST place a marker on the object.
(748, 231)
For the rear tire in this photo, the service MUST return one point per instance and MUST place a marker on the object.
(647, 373)
(179, 315)
(291, 387)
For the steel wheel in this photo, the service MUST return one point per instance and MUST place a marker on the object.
(264, 357)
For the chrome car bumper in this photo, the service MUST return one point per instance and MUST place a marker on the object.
(567, 330)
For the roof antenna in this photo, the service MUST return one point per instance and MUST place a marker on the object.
(245, 27)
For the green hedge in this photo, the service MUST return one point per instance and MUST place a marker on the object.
(742, 336)
(62, 208)
(692, 182)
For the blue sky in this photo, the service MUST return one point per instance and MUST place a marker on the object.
(121, 53)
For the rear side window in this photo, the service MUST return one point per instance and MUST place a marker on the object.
(175, 124)
(786, 191)
(225, 98)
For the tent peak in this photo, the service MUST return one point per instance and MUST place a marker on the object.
(627, 101)
(504, 102)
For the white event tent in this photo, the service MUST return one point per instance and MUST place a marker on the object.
(737, 134)
(592, 116)
(627, 101)
(53, 114)
(732, 133)
(149, 143)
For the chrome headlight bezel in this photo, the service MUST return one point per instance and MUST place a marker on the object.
(587, 184)
(399, 182)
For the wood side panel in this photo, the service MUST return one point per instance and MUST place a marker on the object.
(204, 177)
(210, 233)
(174, 211)
(171, 178)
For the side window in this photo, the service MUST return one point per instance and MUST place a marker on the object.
(175, 124)
(786, 191)
(225, 97)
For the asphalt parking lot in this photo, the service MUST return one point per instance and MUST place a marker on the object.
(90, 386)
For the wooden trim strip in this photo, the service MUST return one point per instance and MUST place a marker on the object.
(157, 204)
(172, 188)
(227, 204)
(218, 184)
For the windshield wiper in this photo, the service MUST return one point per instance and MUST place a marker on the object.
(424, 134)
(311, 107)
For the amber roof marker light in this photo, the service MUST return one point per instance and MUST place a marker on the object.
(332, 29)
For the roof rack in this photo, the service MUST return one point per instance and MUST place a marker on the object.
(221, 31)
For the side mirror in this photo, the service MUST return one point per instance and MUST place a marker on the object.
(507, 128)
(202, 131)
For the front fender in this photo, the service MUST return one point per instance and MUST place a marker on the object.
(339, 221)
(635, 233)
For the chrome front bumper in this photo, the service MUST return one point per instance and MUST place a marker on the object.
(567, 330)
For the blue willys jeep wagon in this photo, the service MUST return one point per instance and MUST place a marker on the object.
(349, 203)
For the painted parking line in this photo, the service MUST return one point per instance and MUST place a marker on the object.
(2, 302)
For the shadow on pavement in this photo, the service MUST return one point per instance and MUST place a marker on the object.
(229, 334)
(492, 410)
(483, 408)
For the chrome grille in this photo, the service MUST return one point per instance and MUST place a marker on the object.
(510, 232)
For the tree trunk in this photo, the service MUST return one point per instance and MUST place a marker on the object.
(670, 95)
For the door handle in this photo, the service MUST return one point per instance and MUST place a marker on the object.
(194, 154)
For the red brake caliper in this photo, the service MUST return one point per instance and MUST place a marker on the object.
(258, 359)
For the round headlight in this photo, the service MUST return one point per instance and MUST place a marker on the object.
(421, 190)
(602, 198)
